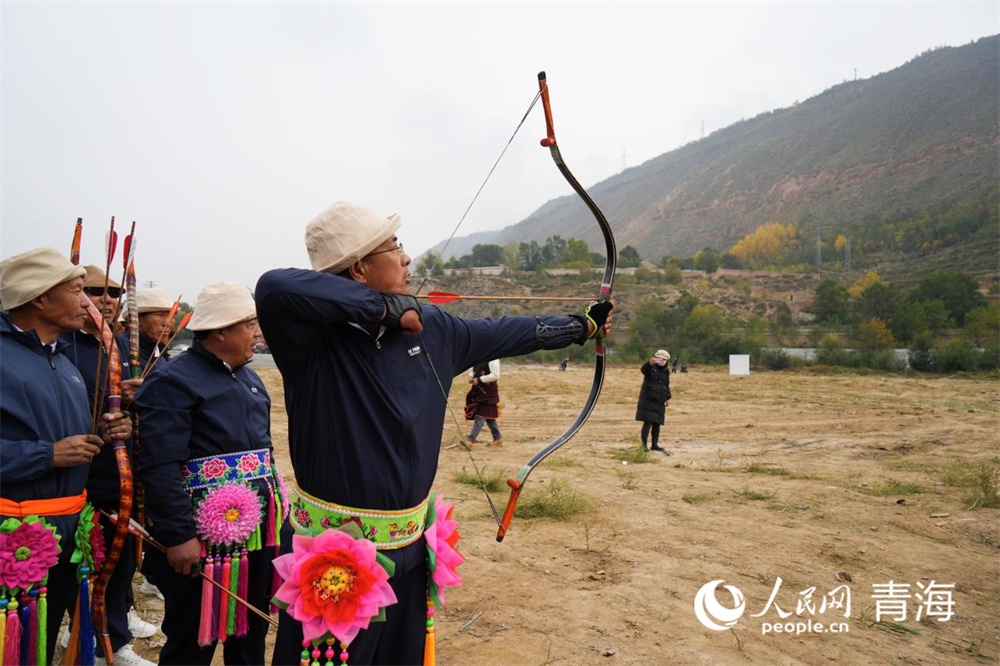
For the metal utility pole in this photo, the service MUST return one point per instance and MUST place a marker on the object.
(624, 159)
(847, 254)
(149, 284)
(819, 251)
(703, 129)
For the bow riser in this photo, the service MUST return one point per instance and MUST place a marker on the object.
(517, 484)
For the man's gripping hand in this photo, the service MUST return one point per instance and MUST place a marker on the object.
(402, 311)
(599, 319)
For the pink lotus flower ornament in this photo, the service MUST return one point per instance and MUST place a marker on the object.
(332, 584)
(229, 514)
(443, 558)
(26, 554)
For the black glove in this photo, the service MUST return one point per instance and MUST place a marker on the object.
(396, 305)
(597, 314)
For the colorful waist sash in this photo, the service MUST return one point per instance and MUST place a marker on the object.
(240, 466)
(388, 530)
(56, 506)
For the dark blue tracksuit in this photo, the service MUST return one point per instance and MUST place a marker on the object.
(192, 407)
(42, 400)
(103, 486)
(365, 417)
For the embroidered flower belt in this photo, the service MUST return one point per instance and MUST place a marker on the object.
(240, 466)
(388, 530)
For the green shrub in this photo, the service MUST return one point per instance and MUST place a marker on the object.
(775, 359)
(958, 356)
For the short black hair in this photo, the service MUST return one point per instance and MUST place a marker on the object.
(201, 336)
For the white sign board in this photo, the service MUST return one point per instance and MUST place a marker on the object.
(739, 364)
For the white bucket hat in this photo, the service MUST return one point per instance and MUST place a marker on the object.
(662, 353)
(344, 233)
(154, 300)
(222, 304)
(30, 274)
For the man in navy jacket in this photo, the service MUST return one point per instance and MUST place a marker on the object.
(206, 406)
(45, 420)
(365, 373)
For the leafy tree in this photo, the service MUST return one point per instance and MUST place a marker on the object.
(982, 325)
(957, 290)
(878, 300)
(769, 245)
(512, 257)
(577, 253)
(830, 301)
(554, 251)
(840, 243)
(873, 334)
(532, 258)
(921, 354)
(870, 278)
(672, 274)
(730, 260)
(485, 254)
(628, 257)
(783, 326)
(707, 260)
(430, 262)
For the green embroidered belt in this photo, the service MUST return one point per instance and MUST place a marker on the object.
(388, 530)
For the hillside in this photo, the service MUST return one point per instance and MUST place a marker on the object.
(919, 135)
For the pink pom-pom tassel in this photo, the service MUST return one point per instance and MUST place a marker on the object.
(205, 634)
(242, 624)
(224, 600)
(271, 518)
(12, 639)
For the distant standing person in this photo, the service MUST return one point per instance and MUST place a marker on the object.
(482, 402)
(654, 398)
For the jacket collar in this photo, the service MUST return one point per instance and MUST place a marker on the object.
(30, 339)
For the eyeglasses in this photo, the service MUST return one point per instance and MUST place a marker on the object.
(113, 292)
(398, 248)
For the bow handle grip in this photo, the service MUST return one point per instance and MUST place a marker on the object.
(515, 492)
(550, 132)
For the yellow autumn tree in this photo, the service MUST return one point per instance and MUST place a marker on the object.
(769, 245)
(840, 243)
(872, 277)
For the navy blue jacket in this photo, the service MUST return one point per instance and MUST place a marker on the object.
(146, 348)
(365, 416)
(42, 400)
(192, 407)
(103, 485)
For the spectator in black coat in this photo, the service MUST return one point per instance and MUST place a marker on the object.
(653, 398)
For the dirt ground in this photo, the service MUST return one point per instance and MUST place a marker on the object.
(793, 475)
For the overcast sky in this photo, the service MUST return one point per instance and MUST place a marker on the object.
(223, 128)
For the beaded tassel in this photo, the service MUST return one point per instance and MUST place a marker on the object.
(12, 635)
(205, 635)
(242, 623)
(31, 654)
(234, 586)
(343, 653)
(3, 626)
(216, 594)
(43, 625)
(224, 599)
(330, 652)
(87, 644)
(430, 638)
(304, 655)
(271, 517)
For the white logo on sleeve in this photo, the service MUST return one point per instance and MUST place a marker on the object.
(709, 610)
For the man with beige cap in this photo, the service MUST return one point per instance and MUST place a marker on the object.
(46, 444)
(205, 425)
(366, 371)
(103, 483)
(154, 324)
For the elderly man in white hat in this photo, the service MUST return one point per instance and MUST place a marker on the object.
(154, 324)
(205, 433)
(46, 443)
(366, 372)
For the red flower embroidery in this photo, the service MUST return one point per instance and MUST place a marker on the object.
(214, 468)
(249, 463)
(352, 519)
